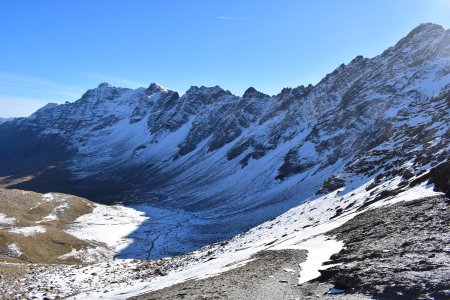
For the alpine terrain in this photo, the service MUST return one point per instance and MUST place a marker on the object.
(336, 190)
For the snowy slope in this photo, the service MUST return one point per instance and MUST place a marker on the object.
(303, 227)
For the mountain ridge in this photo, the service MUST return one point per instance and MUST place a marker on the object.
(222, 156)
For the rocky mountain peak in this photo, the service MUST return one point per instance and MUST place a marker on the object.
(357, 59)
(251, 92)
(206, 92)
(104, 85)
(3, 120)
(203, 89)
(297, 92)
(422, 36)
(426, 28)
(156, 88)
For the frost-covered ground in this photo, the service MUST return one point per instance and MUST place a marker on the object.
(300, 228)
(28, 231)
(109, 225)
(303, 227)
(4, 220)
(133, 232)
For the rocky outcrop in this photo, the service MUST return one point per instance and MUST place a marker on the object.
(396, 252)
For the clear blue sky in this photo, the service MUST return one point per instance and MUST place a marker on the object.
(55, 50)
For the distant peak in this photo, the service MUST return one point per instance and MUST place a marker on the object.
(251, 92)
(213, 92)
(104, 85)
(427, 27)
(358, 58)
(203, 89)
(155, 88)
(299, 91)
(425, 30)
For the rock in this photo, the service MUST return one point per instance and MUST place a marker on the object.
(335, 291)
(331, 184)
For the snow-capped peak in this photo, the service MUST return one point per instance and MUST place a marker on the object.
(155, 88)
(251, 92)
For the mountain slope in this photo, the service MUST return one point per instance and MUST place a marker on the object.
(235, 162)
(59, 228)
(3, 120)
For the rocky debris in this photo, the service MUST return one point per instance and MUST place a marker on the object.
(265, 277)
(331, 184)
(439, 176)
(255, 278)
(294, 163)
(39, 281)
(395, 252)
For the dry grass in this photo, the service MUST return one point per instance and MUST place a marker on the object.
(31, 209)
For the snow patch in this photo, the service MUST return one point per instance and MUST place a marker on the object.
(319, 250)
(419, 191)
(53, 216)
(109, 225)
(14, 250)
(48, 197)
(88, 255)
(6, 221)
(28, 231)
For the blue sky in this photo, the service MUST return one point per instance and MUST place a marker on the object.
(52, 51)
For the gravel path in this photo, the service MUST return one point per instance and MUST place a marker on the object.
(271, 275)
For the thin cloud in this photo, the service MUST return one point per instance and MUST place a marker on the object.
(229, 18)
(114, 80)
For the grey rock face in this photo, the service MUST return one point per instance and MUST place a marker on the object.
(396, 252)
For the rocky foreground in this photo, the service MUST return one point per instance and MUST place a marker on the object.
(394, 252)
(385, 243)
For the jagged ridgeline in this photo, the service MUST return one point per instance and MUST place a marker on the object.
(211, 151)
